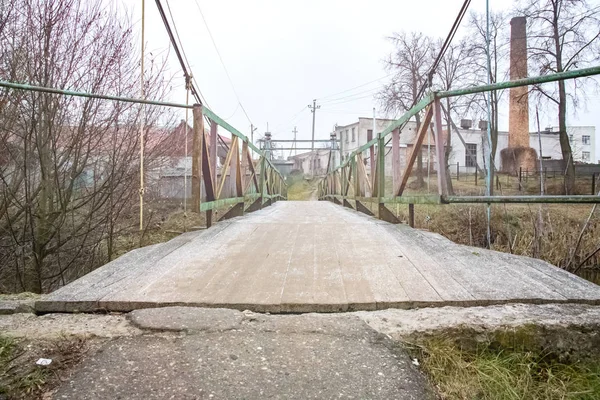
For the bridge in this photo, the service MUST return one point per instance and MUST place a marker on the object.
(347, 254)
(299, 256)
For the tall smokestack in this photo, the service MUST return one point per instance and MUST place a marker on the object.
(518, 155)
(518, 117)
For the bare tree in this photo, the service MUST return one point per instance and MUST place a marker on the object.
(497, 71)
(69, 166)
(410, 63)
(453, 71)
(563, 35)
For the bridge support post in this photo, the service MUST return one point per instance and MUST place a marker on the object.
(235, 211)
(198, 130)
(383, 212)
(255, 206)
(363, 209)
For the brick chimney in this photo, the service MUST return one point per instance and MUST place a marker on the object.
(518, 117)
(518, 155)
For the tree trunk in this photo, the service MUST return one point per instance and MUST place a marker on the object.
(565, 144)
(448, 148)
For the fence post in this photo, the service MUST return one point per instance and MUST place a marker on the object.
(457, 172)
(475, 176)
(198, 132)
(411, 215)
(440, 149)
(593, 183)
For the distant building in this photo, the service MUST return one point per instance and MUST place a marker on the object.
(312, 163)
(352, 136)
(176, 165)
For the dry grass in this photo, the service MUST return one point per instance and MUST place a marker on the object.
(488, 373)
(300, 188)
(21, 378)
(514, 229)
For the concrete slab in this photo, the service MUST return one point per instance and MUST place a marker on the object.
(316, 257)
(310, 356)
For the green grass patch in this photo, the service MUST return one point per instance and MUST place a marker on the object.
(488, 373)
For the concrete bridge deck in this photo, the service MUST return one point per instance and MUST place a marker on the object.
(316, 257)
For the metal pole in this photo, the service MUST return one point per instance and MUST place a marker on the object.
(489, 123)
(143, 116)
(537, 116)
(313, 109)
(185, 172)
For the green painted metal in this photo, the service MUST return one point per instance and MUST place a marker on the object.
(220, 121)
(206, 111)
(428, 99)
(211, 205)
(469, 199)
(581, 199)
(23, 86)
(579, 73)
(425, 199)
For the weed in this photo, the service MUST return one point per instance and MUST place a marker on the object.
(488, 373)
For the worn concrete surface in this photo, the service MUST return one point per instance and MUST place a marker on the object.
(316, 257)
(51, 326)
(403, 323)
(193, 353)
(226, 354)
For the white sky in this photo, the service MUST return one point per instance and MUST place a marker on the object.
(282, 54)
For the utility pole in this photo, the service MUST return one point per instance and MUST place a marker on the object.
(313, 110)
(295, 131)
(142, 127)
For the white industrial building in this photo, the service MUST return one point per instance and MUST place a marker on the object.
(352, 136)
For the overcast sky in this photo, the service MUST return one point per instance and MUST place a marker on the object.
(281, 55)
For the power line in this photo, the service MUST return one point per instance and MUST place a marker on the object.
(183, 52)
(355, 87)
(177, 51)
(222, 62)
(331, 101)
(445, 45)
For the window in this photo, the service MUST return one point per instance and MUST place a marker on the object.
(571, 138)
(347, 138)
(586, 139)
(585, 156)
(353, 135)
(471, 155)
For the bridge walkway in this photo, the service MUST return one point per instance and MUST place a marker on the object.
(316, 257)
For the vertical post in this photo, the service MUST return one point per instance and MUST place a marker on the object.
(380, 169)
(475, 176)
(593, 183)
(411, 215)
(372, 160)
(396, 161)
(520, 176)
(261, 181)
(440, 150)
(458, 171)
(213, 149)
(198, 130)
(143, 116)
(313, 109)
(356, 178)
